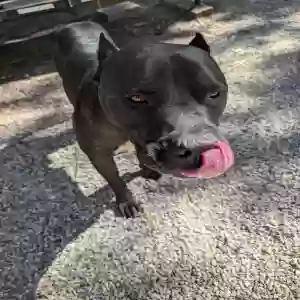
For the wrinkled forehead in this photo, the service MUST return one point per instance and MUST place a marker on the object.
(157, 64)
(141, 62)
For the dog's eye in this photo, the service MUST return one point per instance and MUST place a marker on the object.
(138, 98)
(214, 95)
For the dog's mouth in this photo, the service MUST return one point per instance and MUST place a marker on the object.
(212, 162)
(209, 162)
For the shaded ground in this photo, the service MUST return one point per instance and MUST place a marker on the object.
(236, 237)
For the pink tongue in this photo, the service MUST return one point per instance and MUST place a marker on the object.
(215, 162)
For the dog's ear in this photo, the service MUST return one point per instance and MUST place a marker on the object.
(200, 42)
(105, 49)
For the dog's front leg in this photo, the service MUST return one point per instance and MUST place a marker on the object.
(101, 156)
(146, 172)
(105, 165)
(103, 162)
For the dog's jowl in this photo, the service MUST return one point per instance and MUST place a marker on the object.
(166, 99)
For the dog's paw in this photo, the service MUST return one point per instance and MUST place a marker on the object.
(150, 174)
(128, 207)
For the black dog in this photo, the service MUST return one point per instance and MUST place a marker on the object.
(166, 99)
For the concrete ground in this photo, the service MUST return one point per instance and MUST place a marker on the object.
(234, 237)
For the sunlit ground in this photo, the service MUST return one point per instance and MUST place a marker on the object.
(235, 237)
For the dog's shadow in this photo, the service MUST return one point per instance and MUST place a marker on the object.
(42, 210)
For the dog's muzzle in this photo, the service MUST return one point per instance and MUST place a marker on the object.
(206, 161)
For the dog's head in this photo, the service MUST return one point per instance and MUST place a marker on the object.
(169, 99)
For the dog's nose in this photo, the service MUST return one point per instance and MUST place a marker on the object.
(175, 156)
(182, 153)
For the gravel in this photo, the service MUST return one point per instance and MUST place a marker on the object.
(234, 237)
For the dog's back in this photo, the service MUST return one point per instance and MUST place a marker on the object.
(76, 54)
